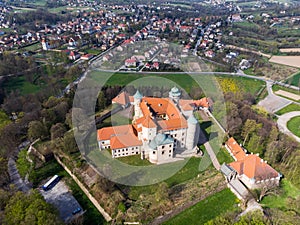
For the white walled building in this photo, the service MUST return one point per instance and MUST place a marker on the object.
(161, 128)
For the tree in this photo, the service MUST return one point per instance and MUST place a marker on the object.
(249, 127)
(69, 143)
(253, 218)
(4, 176)
(37, 129)
(101, 101)
(57, 130)
(29, 209)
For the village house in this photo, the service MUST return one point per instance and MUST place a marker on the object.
(161, 130)
(253, 171)
(131, 62)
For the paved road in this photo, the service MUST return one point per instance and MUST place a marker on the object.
(282, 123)
(272, 102)
(15, 176)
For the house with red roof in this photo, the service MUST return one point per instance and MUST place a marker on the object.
(253, 171)
(131, 62)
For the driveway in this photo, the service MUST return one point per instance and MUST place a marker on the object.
(272, 103)
(282, 123)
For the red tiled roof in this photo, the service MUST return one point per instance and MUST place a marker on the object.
(119, 136)
(235, 149)
(123, 98)
(148, 123)
(253, 166)
(107, 132)
(124, 141)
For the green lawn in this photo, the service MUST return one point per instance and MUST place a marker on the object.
(290, 108)
(224, 157)
(185, 81)
(207, 209)
(92, 51)
(278, 87)
(294, 125)
(20, 83)
(189, 171)
(33, 47)
(280, 201)
(294, 80)
(47, 170)
(134, 160)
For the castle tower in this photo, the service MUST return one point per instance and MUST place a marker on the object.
(192, 135)
(175, 94)
(137, 100)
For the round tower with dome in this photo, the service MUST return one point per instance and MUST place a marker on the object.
(175, 94)
(137, 100)
(192, 135)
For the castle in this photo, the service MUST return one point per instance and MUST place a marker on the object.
(162, 128)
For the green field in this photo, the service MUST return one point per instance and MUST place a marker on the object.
(277, 88)
(281, 200)
(33, 47)
(134, 160)
(207, 209)
(188, 172)
(290, 108)
(294, 80)
(20, 83)
(294, 125)
(185, 81)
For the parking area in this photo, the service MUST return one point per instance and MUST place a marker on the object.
(63, 200)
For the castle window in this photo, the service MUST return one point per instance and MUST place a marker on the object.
(169, 155)
(170, 146)
(163, 152)
(170, 151)
(154, 152)
(163, 147)
(137, 153)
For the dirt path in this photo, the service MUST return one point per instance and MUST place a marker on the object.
(212, 155)
(248, 50)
